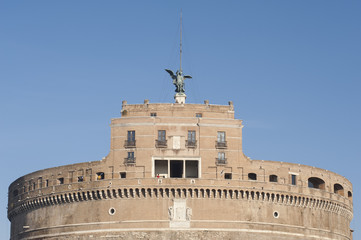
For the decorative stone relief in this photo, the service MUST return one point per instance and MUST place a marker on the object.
(179, 214)
(176, 142)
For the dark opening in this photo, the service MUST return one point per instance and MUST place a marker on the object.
(161, 168)
(252, 176)
(273, 178)
(191, 169)
(337, 188)
(293, 179)
(60, 180)
(100, 176)
(349, 194)
(15, 192)
(123, 174)
(153, 114)
(228, 176)
(80, 178)
(315, 182)
(176, 169)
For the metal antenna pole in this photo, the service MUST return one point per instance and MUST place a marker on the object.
(180, 68)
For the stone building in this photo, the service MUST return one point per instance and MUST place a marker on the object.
(177, 171)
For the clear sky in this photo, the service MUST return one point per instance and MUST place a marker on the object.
(292, 69)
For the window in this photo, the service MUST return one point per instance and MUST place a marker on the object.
(100, 176)
(15, 193)
(130, 142)
(130, 155)
(349, 195)
(228, 176)
(221, 137)
(60, 181)
(161, 135)
(191, 142)
(293, 180)
(46, 183)
(198, 115)
(130, 159)
(273, 178)
(161, 141)
(252, 176)
(153, 114)
(123, 174)
(221, 140)
(314, 182)
(221, 158)
(80, 179)
(337, 188)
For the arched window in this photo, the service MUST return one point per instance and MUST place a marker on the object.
(337, 188)
(252, 176)
(314, 182)
(273, 178)
(349, 194)
(15, 192)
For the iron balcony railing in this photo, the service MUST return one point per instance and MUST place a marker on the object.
(221, 161)
(129, 144)
(191, 144)
(161, 143)
(221, 145)
(129, 160)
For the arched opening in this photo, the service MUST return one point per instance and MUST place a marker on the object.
(337, 188)
(314, 182)
(273, 178)
(252, 176)
(349, 195)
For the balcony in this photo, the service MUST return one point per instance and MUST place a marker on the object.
(221, 161)
(221, 145)
(129, 144)
(191, 144)
(129, 161)
(161, 143)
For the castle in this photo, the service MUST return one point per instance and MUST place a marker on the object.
(177, 171)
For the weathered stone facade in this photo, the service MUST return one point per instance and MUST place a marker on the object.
(177, 171)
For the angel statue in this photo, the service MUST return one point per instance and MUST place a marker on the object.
(178, 80)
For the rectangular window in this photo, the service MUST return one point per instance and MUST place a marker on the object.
(191, 136)
(130, 155)
(131, 136)
(100, 175)
(228, 176)
(153, 114)
(161, 135)
(198, 115)
(130, 142)
(123, 174)
(221, 137)
(221, 156)
(80, 179)
(294, 179)
(60, 181)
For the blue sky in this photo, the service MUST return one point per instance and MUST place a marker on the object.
(292, 69)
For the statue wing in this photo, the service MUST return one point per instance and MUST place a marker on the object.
(171, 73)
(187, 76)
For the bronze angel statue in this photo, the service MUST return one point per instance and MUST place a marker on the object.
(178, 80)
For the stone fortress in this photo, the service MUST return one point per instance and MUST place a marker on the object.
(177, 171)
